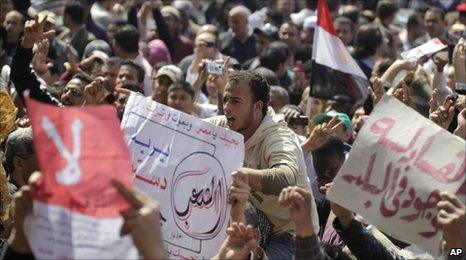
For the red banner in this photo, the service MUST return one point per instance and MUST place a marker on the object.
(79, 150)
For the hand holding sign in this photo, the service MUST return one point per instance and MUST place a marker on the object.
(143, 222)
(396, 179)
(451, 219)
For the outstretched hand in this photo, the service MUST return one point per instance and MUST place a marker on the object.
(320, 134)
(443, 115)
(95, 93)
(34, 31)
(298, 202)
(239, 242)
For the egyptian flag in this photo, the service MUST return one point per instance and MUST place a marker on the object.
(335, 74)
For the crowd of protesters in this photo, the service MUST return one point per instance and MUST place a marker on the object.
(244, 65)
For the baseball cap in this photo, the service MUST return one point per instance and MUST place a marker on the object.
(51, 17)
(325, 117)
(171, 71)
(170, 10)
(310, 22)
(268, 30)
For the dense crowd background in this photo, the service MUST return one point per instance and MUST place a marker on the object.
(189, 55)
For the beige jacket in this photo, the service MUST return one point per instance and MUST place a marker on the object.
(273, 148)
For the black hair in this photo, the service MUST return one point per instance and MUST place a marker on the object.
(132, 87)
(75, 11)
(182, 85)
(344, 20)
(437, 11)
(127, 37)
(368, 38)
(3, 37)
(274, 56)
(386, 8)
(414, 20)
(303, 52)
(269, 76)
(352, 14)
(83, 77)
(259, 88)
(333, 146)
(140, 71)
(275, 16)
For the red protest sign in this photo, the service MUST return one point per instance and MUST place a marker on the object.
(79, 150)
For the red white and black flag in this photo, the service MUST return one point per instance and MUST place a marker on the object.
(334, 71)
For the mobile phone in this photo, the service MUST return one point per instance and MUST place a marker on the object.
(213, 68)
(301, 120)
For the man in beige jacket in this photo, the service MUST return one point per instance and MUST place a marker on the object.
(273, 159)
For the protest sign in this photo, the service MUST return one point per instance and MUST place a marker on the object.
(184, 163)
(398, 165)
(427, 48)
(76, 209)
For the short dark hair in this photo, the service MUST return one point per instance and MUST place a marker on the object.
(259, 88)
(3, 37)
(414, 20)
(351, 12)
(324, 155)
(75, 11)
(273, 57)
(269, 76)
(386, 8)
(139, 69)
(182, 85)
(368, 38)
(344, 20)
(438, 11)
(82, 77)
(334, 145)
(132, 87)
(303, 52)
(18, 143)
(275, 16)
(127, 37)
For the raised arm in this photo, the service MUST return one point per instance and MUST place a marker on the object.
(21, 74)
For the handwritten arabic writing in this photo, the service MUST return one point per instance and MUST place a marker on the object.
(395, 182)
(214, 135)
(174, 118)
(59, 240)
(188, 158)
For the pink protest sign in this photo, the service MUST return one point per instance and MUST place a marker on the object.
(76, 209)
(398, 165)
